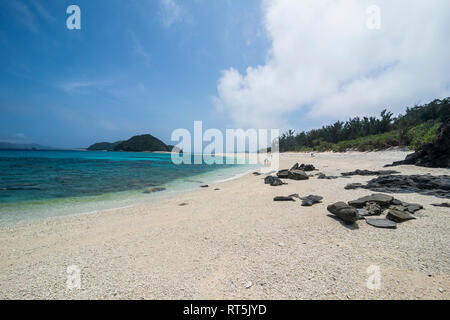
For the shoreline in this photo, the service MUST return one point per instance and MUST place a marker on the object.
(217, 243)
(118, 200)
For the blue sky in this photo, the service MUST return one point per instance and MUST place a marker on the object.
(134, 67)
(154, 66)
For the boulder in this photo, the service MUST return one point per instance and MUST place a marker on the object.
(306, 167)
(273, 181)
(283, 174)
(345, 212)
(297, 175)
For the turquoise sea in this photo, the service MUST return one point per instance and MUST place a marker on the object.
(42, 184)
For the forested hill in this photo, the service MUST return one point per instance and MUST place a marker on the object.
(145, 142)
(417, 126)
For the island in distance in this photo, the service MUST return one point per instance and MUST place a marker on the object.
(140, 143)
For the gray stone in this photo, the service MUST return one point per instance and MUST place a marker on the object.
(363, 212)
(283, 199)
(352, 186)
(324, 176)
(382, 199)
(382, 223)
(310, 200)
(345, 212)
(443, 205)
(273, 181)
(373, 208)
(297, 175)
(399, 215)
(283, 174)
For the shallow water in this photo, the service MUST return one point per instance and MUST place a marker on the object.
(36, 184)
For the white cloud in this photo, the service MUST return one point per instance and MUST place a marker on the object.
(171, 12)
(325, 61)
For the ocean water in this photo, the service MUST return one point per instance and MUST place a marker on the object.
(42, 184)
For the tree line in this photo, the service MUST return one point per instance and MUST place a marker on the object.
(430, 114)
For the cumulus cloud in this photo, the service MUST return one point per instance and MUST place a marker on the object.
(326, 63)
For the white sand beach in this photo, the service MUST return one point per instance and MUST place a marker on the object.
(236, 243)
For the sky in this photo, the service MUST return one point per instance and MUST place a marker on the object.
(153, 66)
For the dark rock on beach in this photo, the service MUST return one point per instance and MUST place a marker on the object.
(303, 167)
(297, 175)
(345, 212)
(281, 198)
(382, 223)
(443, 205)
(324, 176)
(359, 172)
(352, 186)
(424, 184)
(283, 174)
(399, 215)
(373, 208)
(310, 200)
(306, 167)
(433, 155)
(273, 181)
(379, 198)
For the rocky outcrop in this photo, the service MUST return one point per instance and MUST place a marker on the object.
(359, 172)
(438, 186)
(433, 155)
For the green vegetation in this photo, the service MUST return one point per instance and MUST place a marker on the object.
(421, 134)
(419, 125)
(145, 142)
(104, 146)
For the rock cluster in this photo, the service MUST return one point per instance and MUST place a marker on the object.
(375, 204)
(433, 155)
(297, 172)
(425, 184)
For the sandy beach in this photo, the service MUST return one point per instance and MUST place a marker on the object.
(236, 243)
